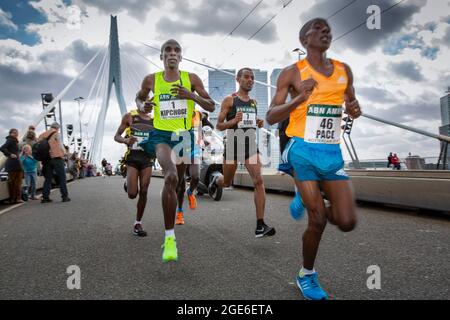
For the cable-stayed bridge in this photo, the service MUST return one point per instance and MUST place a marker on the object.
(219, 256)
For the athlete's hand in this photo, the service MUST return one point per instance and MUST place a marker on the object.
(181, 92)
(352, 108)
(238, 117)
(130, 141)
(306, 88)
(149, 105)
(259, 123)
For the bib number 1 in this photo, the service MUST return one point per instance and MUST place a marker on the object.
(173, 109)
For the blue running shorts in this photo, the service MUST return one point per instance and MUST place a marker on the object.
(314, 161)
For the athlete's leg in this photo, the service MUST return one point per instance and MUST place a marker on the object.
(181, 187)
(132, 182)
(194, 172)
(226, 180)
(144, 181)
(169, 195)
(253, 165)
(342, 211)
(317, 220)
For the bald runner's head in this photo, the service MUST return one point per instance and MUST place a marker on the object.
(169, 42)
(314, 28)
(171, 54)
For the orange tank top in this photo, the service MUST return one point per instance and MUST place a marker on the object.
(318, 120)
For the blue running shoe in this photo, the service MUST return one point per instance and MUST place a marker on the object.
(297, 209)
(310, 287)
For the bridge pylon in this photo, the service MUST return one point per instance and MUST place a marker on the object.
(114, 77)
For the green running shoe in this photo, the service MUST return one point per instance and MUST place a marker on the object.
(170, 252)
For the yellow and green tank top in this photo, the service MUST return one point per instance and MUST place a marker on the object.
(172, 114)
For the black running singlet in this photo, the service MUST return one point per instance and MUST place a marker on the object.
(139, 128)
(248, 108)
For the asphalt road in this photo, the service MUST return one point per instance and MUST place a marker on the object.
(219, 257)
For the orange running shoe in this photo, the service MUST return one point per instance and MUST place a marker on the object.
(180, 219)
(192, 200)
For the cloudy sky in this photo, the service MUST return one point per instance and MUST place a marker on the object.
(400, 71)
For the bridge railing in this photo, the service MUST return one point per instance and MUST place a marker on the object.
(407, 163)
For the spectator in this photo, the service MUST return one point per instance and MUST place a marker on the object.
(29, 165)
(95, 170)
(389, 160)
(13, 166)
(54, 164)
(396, 162)
(90, 170)
(72, 165)
(83, 171)
(29, 139)
(104, 164)
(79, 167)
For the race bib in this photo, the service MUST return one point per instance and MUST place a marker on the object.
(140, 136)
(323, 124)
(173, 109)
(248, 117)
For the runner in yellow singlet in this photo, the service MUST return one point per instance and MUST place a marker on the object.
(174, 94)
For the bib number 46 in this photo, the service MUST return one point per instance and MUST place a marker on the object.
(327, 124)
(323, 124)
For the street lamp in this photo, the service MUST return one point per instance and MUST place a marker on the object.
(47, 98)
(79, 114)
(86, 134)
(300, 52)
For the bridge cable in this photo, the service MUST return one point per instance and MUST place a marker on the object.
(242, 20)
(257, 31)
(341, 9)
(364, 22)
(94, 82)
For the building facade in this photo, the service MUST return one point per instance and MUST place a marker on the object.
(220, 85)
(445, 115)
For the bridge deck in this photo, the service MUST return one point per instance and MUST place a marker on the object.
(219, 256)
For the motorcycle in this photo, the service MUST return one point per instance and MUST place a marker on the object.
(108, 170)
(211, 164)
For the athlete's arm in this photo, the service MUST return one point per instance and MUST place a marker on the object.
(259, 121)
(352, 107)
(146, 86)
(123, 125)
(199, 134)
(227, 103)
(202, 98)
(279, 110)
